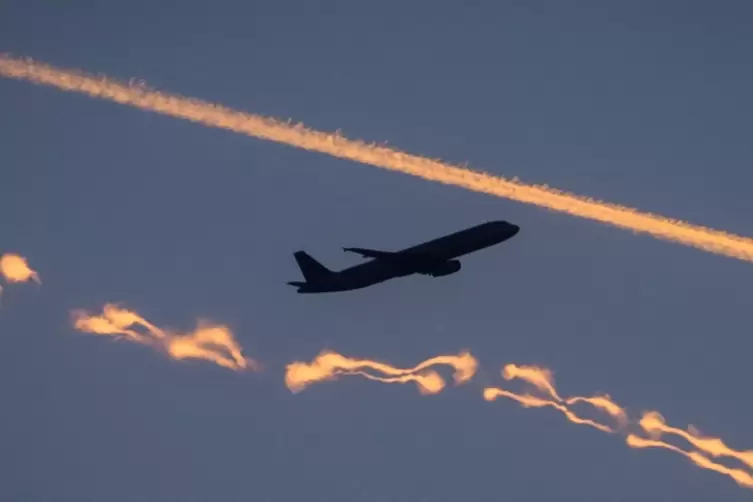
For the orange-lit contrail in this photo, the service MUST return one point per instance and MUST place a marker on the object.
(329, 365)
(652, 423)
(213, 115)
(15, 268)
(542, 379)
(210, 342)
(655, 426)
(741, 477)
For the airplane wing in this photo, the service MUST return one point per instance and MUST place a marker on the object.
(419, 263)
(423, 263)
(372, 253)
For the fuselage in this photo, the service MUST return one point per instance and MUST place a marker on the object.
(441, 249)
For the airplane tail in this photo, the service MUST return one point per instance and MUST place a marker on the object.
(311, 269)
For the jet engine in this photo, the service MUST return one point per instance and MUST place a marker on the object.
(445, 268)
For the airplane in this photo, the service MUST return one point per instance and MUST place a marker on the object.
(435, 258)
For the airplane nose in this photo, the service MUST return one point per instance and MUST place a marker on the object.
(507, 229)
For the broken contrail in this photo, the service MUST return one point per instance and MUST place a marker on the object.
(542, 380)
(329, 365)
(651, 424)
(14, 268)
(213, 115)
(210, 342)
(215, 343)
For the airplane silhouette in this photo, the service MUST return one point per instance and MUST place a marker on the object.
(435, 258)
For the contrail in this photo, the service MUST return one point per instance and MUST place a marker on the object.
(215, 343)
(329, 365)
(655, 426)
(541, 379)
(210, 342)
(651, 424)
(14, 268)
(214, 115)
(741, 477)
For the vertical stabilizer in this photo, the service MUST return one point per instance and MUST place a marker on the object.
(312, 270)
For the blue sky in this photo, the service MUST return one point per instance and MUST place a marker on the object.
(641, 103)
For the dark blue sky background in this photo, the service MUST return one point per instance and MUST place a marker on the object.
(643, 103)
